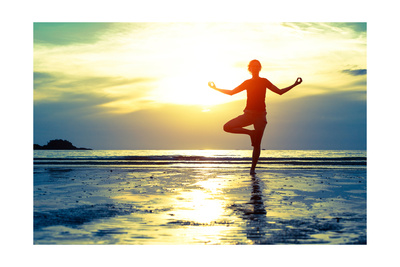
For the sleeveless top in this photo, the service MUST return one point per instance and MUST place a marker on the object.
(256, 90)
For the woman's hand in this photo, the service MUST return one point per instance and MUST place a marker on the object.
(298, 81)
(212, 85)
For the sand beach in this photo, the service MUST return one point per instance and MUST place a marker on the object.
(199, 204)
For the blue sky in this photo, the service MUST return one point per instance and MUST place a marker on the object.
(144, 85)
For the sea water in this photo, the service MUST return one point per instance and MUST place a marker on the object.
(209, 158)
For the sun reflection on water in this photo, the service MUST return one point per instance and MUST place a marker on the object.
(199, 207)
(202, 206)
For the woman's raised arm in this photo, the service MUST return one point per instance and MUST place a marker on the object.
(278, 91)
(226, 91)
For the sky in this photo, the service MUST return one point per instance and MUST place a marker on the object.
(144, 85)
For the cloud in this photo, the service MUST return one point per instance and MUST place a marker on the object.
(91, 94)
(44, 80)
(360, 27)
(55, 86)
(355, 72)
(334, 120)
(355, 27)
(68, 33)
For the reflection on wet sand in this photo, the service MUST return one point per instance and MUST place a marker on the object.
(256, 221)
(201, 206)
(253, 212)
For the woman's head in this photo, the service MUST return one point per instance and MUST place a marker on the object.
(254, 66)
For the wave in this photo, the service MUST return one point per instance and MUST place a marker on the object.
(199, 160)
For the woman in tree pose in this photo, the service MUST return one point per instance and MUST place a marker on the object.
(255, 112)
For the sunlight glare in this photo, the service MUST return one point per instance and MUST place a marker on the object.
(199, 207)
(197, 63)
(190, 88)
(204, 205)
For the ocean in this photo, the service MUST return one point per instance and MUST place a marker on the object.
(202, 158)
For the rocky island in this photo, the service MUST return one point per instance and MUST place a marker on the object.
(58, 144)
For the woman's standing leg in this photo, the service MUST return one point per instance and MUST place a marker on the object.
(258, 133)
(237, 125)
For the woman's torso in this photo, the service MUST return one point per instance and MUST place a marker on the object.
(256, 90)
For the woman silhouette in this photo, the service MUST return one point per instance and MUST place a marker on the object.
(255, 112)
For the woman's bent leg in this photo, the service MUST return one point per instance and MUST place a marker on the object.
(236, 125)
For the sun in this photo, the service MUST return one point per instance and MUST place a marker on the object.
(188, 89)
(192, 66)
(190, 86)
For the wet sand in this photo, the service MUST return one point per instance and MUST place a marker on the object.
(184, 206)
